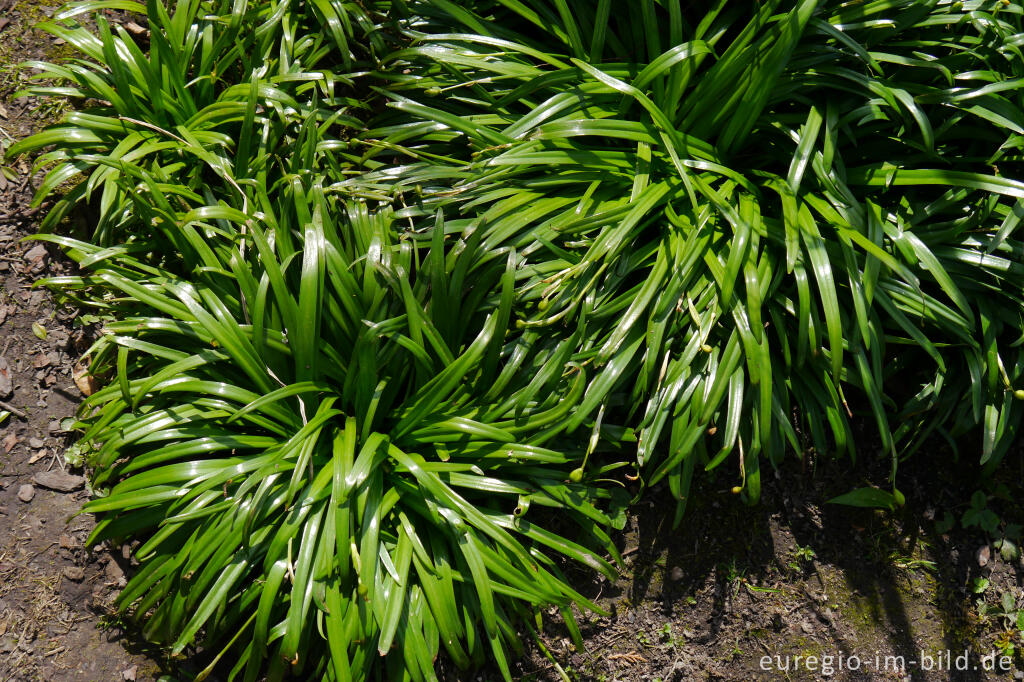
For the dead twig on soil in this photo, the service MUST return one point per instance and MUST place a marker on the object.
(13, 410)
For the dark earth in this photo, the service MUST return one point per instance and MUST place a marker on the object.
(710, 600)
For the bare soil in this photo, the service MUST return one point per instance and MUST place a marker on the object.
(738, 592)
(791, 577)
(55, 595)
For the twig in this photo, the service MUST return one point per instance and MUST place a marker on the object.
(13, 410)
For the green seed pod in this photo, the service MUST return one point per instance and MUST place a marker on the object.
(543, 304)
(576, 475)
(1019, 394)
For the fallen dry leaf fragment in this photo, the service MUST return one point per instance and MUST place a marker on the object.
(10, 440)
(58, 480)
(85, 382)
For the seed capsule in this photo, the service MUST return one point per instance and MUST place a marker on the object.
(1019, 394)
(576, 475)
(736, 490)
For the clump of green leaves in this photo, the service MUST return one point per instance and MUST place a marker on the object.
(308, 421)
(766, 221)
(386, 277)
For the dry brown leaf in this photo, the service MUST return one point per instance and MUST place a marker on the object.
(86, 382)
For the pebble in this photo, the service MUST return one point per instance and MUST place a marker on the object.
(983, 555)
(677, 573)
(36, 254)
(35, 443)
(114, 573)
(26, 493)
(129, 674)
(6, 385)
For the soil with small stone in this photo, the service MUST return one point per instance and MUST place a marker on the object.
(55, 595)
(790, 589)
(796, 589)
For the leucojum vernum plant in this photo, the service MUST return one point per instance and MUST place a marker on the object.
(397, 294)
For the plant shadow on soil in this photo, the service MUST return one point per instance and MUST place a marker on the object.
(738, 592)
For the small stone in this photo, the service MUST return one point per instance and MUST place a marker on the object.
(6, 386)
(676, 574)
(10, 440)
(26, 493)
(54, 427)
(68, 541)
(74, 573)
(58, 480)
(36, 254)
(35, 443)
(7, 645)
(128, 675)
(983, 555)
(114, 573)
